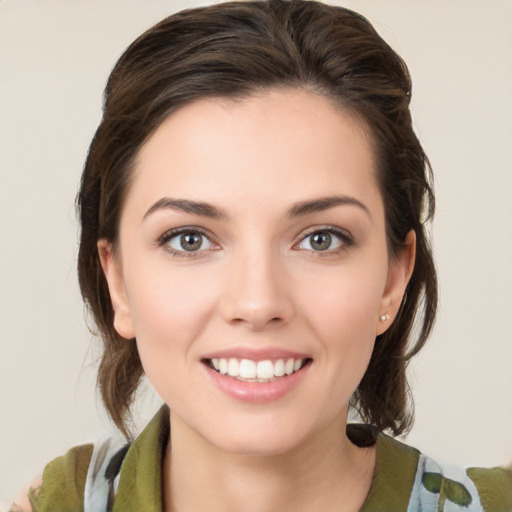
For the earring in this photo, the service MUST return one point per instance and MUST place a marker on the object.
(384, 318)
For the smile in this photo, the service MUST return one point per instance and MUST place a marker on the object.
(247, 370)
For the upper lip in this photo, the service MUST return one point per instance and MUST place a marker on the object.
(256, 354)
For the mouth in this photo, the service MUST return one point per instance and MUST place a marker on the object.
(248, 370)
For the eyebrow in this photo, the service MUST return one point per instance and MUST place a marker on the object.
(325, 203)
(213, 212)
(187, 206)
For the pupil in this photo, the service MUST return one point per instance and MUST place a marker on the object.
(321, 241)
(191, 241)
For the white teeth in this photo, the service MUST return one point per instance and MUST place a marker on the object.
(233, 367)
(260, 371)
(279, 368)
(247, 369)
(265, 369)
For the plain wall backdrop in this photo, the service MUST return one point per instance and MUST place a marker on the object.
(55, 57)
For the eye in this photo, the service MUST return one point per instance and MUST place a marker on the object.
(186, 240)
(325, 240)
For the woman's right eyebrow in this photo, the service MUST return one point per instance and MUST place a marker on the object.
(187, 206)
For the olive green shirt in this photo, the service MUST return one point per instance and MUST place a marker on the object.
(402, 482)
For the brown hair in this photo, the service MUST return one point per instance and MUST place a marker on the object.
(235, 49)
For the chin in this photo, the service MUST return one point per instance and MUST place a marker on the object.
(259, 446)
(260, 438)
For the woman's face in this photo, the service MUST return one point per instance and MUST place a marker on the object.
(252, 240)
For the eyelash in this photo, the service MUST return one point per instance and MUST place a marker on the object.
(169, 235)
(345, 238)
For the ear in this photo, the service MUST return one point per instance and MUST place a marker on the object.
(400, 271)
(123, 322)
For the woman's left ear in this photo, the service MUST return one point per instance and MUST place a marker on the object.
(400, 271)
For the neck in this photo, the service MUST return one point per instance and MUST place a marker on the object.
(325, 473)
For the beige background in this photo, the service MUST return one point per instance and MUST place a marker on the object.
(54, 59)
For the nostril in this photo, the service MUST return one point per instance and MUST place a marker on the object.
(257, 322)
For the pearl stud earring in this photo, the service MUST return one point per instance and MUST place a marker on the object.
(384, 318)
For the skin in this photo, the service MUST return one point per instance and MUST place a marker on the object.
(257, 282)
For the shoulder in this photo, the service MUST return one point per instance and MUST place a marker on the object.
(88, 477)
(473, 489)
(412, 481)
(494, 486)
(61, 488)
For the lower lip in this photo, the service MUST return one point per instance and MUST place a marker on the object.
(257, 392)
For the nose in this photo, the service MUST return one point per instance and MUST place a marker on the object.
(257, 292)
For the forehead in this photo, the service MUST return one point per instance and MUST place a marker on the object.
(285, 144)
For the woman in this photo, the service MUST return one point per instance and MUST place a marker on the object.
(253, 241)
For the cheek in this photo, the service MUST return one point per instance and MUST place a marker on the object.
(342, 313)
(169, 309)
(345, 304)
